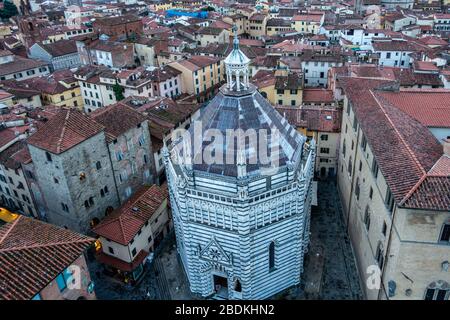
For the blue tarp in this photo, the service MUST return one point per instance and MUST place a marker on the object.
(198, 14)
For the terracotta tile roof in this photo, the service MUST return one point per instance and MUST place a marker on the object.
(322, 119)
(164, 73)
(124, 223)
(6, 136)
(316, 17)
(112, 21)
(117, 119)
(432, 193)
(425, 66)
(60, 48)
(312, 95)
(404, 149)
(15, 155)
(33, 253)
(433, 41)
(198, 62)
(263, 79)
(20, 64)
(397, 45)
(430, 107)
(292, 81)
(65, 130)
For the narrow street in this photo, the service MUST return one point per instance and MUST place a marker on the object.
(330, 263)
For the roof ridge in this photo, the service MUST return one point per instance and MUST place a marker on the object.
(11, 228)
(81, 240)
(63, 131)
(413, 189)
(398, 133)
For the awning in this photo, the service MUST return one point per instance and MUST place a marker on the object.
(120, 264)
(314, 194)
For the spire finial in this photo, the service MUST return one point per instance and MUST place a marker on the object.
(236, 39)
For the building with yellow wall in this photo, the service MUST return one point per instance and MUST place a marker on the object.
(201, 75)
(59, 89)
(308, 23)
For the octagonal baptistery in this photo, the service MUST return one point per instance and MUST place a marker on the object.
(242, 226)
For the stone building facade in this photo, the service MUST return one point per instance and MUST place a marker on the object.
(242, 229)
(73, 173)
(396, 202)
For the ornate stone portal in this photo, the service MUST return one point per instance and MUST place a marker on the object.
(242, 227)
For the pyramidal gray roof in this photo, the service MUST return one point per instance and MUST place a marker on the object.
(243, 110)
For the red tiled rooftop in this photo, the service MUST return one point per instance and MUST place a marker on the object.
(65, 130)
(124, 223)
(312, 95)
(33, 253)
(403, 148)
(117, 119)
(429, 107)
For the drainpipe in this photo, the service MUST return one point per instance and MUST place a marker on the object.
(114, 174)
(353, 178)
(386, 257)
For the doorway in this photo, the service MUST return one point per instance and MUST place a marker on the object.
(221, 286)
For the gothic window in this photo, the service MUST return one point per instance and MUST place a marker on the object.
(344, 147)
(272, 256)
(380, 255)
(98, 165)
(439, 290)
(367, 218)
(349, 168)
(445, 233)
(357, 188)
(237, 286)
(49, 156)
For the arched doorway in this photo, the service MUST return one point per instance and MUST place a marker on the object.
(108, 210)
(95, 221)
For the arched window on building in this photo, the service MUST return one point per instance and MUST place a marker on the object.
(357, 188)
(445, 233)
(367, 218)
(237, 286)
(349, 168)
(272, 256)
(380, 255)
(344, 148)
(437, 290)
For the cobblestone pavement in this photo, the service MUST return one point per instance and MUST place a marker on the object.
(339, 278)
(329, 270)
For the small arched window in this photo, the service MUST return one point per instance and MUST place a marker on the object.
(49, 156)
(367, 218)
(357, 188)
(272, 256)
(380, 255)
(437, 290)
(237, 286)
(350, 166)
(98, 165)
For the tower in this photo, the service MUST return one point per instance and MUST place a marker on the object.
(240, 189)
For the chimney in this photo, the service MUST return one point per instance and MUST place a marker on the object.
(447, 146)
